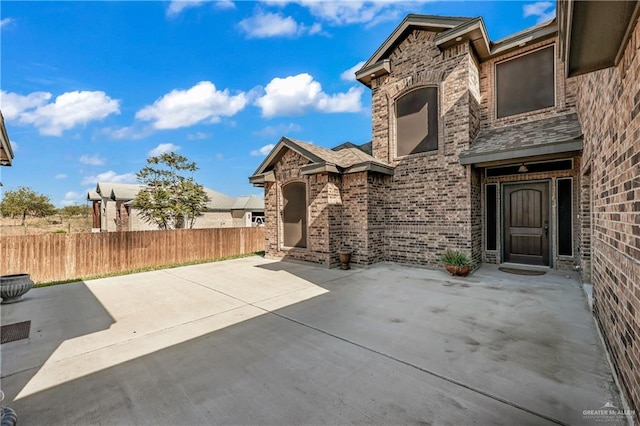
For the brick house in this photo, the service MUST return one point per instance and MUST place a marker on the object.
(460, 125)
(524, 150)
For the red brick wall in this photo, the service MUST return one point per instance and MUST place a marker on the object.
(608, 104)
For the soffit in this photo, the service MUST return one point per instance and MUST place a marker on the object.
(594, 34)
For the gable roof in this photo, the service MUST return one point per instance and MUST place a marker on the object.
(249, 203)
(217, 200)
(343, 161)
(451, 31)
(118, 191)
(553, 135)
(6, 152)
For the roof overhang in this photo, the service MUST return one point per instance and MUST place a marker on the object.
(472, 31)
(375, 65)
(486, 158)
(594, 34)
(6, 152)
(259, 180)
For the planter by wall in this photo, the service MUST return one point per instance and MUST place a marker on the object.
(13, 287)
(345, 259)
(460, 271)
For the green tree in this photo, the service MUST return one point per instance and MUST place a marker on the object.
(74, 210)
(25, 201)
(171, 198)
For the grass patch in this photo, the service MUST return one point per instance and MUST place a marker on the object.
(147, 269)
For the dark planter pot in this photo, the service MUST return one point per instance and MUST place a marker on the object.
(345, 259)
(460, 271)
(13, 287)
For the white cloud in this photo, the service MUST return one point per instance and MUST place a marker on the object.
(354, 12)
(264, 150)
(94, 160)
(126, 132)
(219, 156)
(294, 95)
(71, 198)
(182, 108)
(61, 176)
(66, 112)
(350, 74)
(281, 129)
(4, 22)
(163, 148)
(177, 6)
(13, 104)
(15, 147)
(544, 10)
(267, 24)
(197, 136)
(110, 176)
(225, 4)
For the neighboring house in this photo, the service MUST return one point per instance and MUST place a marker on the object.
(491, 148)
(113, 211)
(6, 152)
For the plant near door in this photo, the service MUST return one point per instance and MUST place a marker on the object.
(457, 263)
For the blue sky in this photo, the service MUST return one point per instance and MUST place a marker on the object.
(91, 89)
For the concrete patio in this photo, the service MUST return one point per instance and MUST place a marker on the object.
(252, 341)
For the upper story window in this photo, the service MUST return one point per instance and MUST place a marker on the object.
(526, 83)
(417, 121)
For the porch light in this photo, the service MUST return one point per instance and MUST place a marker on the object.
(523, 169)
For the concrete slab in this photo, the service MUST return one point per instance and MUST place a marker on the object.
(252, 341)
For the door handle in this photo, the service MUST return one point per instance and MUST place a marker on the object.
(546, 228)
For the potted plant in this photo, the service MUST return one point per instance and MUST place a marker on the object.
(457, 263)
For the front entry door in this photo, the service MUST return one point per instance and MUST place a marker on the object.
(526, 223)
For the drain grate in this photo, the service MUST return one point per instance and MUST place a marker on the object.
(15, 331)
(522, 271)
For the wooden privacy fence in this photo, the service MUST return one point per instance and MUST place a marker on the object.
(59, 257)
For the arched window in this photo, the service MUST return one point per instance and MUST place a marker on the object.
(417, 121)
(294, 214)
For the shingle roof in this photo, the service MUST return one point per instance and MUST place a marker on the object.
(218, 201)
(549, 135)
(345, 157)
(122, 191)
(250, 202)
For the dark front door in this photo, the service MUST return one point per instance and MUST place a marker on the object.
(526, 223)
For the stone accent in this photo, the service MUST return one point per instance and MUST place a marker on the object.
(608, 103)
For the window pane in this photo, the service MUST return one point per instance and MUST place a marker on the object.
(564, 217)
(526, 83)
(417, 121)
(491, 219)
(295, 215)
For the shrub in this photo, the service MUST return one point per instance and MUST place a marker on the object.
(456, 258)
